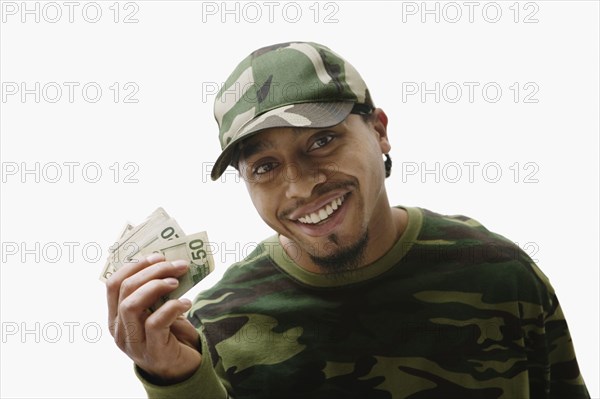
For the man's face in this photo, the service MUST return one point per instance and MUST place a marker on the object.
(322, 190)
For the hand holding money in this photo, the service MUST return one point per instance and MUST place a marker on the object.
(162, 343)
(150, 266)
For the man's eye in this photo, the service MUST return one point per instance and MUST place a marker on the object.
(321, 142)
(264, 168)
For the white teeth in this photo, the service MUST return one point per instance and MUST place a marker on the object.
(314, 218)
(322, 213)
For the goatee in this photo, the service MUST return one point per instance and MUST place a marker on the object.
(345, 258)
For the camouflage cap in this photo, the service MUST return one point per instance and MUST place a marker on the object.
(294, 84)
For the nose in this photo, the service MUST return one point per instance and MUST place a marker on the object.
(300, 181)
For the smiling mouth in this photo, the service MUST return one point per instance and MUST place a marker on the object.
(324, 213)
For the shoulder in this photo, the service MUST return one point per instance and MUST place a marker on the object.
(452, 226)
(464, 232)
(478, 258)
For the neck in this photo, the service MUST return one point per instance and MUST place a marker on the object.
(390, 225)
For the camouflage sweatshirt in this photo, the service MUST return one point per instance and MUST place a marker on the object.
(452, 310)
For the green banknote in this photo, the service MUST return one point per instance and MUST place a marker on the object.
(160, 233)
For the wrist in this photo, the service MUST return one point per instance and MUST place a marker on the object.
(163, 379)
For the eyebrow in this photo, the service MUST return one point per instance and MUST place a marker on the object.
(247, 150)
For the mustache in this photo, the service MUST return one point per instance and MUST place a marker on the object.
(318, 191)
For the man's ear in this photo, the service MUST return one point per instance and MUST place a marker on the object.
(380, 121)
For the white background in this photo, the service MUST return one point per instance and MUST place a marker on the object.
(52, 306)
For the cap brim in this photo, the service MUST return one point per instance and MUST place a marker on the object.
(304, 115)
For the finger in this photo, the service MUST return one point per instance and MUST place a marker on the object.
(113, 284)
(156, 271)
(133, 310)
(186, 332)
(136, 304)
(158, 325)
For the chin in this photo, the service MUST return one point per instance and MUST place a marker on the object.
(342, 255)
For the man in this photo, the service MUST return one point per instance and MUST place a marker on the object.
(352, 298)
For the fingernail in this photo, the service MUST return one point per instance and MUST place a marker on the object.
(179, 263)
(186, 302)
(153, 258)
(171, 281)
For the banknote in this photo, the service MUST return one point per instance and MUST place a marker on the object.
(154, 233)
(127, 231)
(109, 269)
(160, 233)
(158, 227)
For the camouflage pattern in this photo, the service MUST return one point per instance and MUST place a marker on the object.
(451, 311)
(294, 84)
